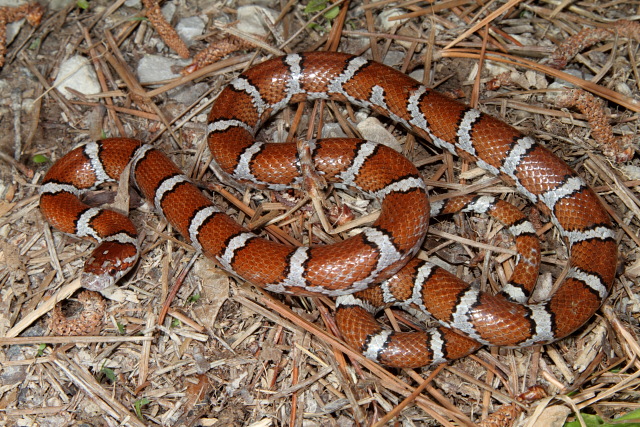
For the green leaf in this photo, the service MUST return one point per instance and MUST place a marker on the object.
(315, 6)
(35, 43)
(315, 26)
(589, 420)
(175, 323)
(41, 349)
(83, 4)
(138, 404)
(109, 373)
(194, 298)
(633, 415)
(596, 421)
(121, 328)
(332, 13)
(40, 158)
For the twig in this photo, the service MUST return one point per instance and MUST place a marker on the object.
(98, 395)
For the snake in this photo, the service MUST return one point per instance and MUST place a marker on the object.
(377, 267)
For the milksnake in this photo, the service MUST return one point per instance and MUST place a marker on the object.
(384, 251)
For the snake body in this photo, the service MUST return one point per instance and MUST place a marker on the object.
(378, 266)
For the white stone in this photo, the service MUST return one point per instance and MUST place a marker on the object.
(623, 88)
(417, 74)
(251, 19)
(168, 10)
(630, 171)
(13, 29)
(494, 69)
(394, 58)
(57, 4)
(385, 23)
(555, 89)
(153, 68)
(188, 94)
(77, 74)
(332, 130)
(190, 28)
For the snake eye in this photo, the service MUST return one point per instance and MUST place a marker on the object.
(112, 272)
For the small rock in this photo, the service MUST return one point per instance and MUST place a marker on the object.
(623, 89)
(28, 104)
(251, 19)
(190, 28)
(362, 115)
(385, 23)
(494, 69)
(631, 172)
(265, 3)
(5, 87)
(13, 374)
(536, 80)
(552, 94)
(417, 74)
(598, 57)
(573, 72)
(77, 74)
(168, 10)
(393, 58)
(153, 68)
(13, 29)
(527, 39)
(12, 3)
(543, 290)
(333, 130)
(57, 4)
(577, 73)
(136, 4)
(188, 94)
(4, 230)
(90, 408)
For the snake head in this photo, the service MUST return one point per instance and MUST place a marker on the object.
(107, 264)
